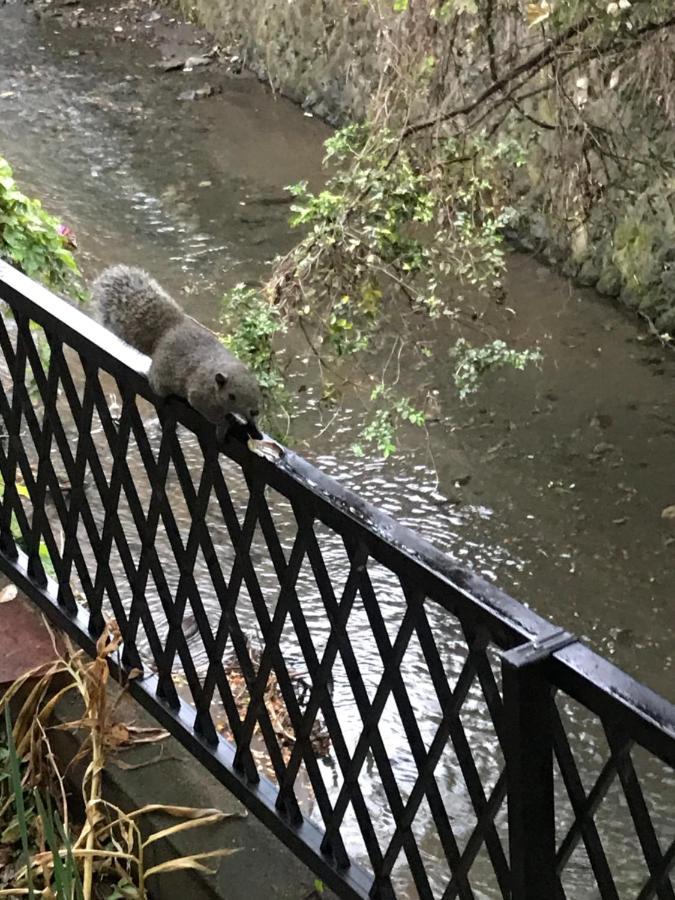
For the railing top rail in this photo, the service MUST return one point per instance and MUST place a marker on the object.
(576, 669)
(647, 717)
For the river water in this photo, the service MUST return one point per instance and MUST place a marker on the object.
(550, 482)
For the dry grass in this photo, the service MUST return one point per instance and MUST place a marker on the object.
(108, 850)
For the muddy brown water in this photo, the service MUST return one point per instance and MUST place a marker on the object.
(550, 482)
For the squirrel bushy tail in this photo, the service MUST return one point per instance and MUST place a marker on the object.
(135, 307)
(188, 360)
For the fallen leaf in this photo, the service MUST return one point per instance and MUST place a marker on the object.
(197, 93)
(170, 65)
(193, 62)
(117, 734)
(8, 593)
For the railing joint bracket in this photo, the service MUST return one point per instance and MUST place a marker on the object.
(539, 649)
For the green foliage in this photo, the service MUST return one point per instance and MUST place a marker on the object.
(442, 10)
(384, 222)
(390, 412)
(609, 15)
(18, 827)
(418, 196)
(634, 240)
(67, 880)
(26, 820)
(471, 363)
(388, 221)
(39, 245)
(15, 530)
(35, 241)
(250, 323)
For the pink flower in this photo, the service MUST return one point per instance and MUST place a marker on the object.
(67, 236)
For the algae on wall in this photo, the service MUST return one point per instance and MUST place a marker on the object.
(602, 208)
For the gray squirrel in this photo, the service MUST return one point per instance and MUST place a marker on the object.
(188, 360)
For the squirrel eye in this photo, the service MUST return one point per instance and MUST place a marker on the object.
(233, 397)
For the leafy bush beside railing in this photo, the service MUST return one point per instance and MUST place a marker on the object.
(35, 241)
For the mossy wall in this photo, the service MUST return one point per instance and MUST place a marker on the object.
(328, 55)
(320, 53)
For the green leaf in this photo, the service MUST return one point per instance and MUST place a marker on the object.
(46, 560)
(19, 804)
(12, 832)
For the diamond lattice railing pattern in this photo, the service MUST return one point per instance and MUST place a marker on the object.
(342, 676)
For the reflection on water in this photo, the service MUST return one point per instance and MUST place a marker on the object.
(517, 485)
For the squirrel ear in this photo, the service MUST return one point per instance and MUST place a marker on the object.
(221, 380)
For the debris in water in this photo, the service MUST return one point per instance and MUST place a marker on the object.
(197, 93)
(669, 514)
(278, 714)
(601, 420)
(171, 64)
(603, 447)
(193, 62)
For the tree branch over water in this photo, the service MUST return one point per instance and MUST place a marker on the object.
(420, 193)
(531, 67)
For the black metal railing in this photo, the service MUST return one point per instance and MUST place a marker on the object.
(475, 749)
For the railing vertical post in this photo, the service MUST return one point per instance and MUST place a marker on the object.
(528, 703)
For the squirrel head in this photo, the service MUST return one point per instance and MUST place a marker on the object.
(234, 392)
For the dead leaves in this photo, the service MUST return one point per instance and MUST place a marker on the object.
(121, 736)
(278, 715)
(110, 843)
(537, 13)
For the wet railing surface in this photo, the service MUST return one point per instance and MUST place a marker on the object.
(84, 482)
